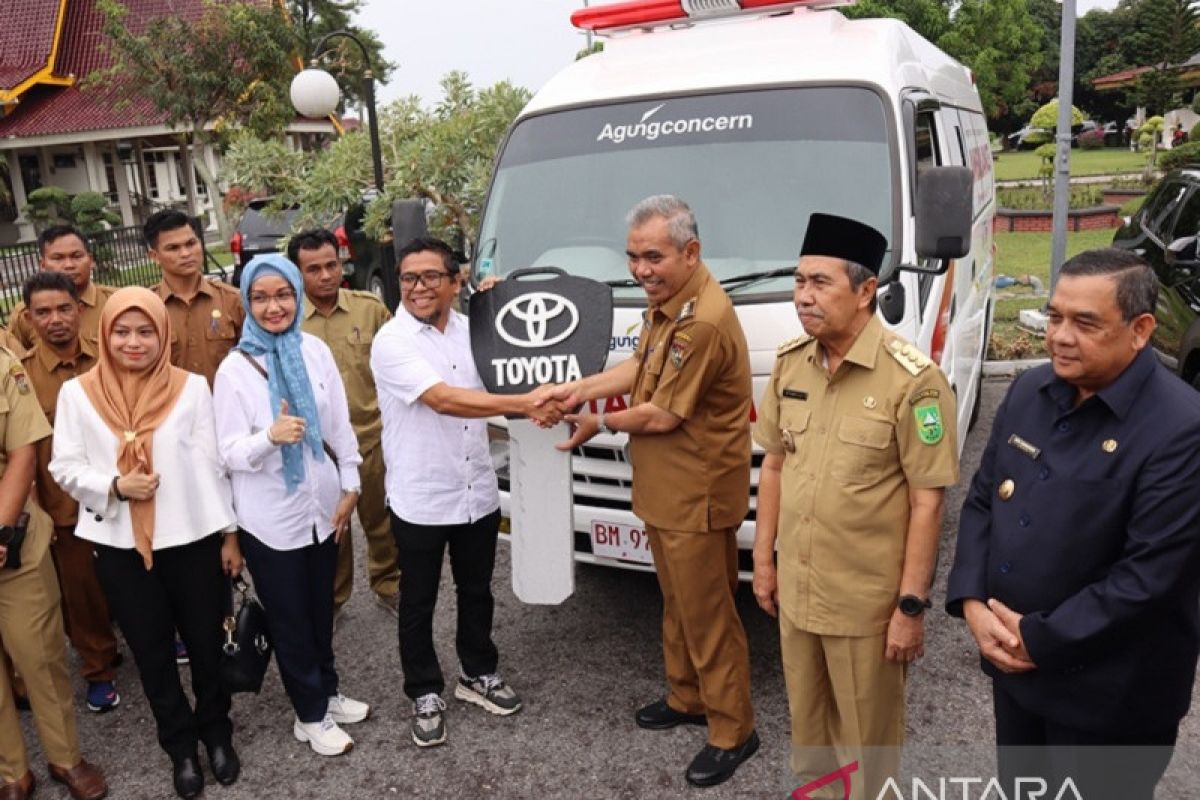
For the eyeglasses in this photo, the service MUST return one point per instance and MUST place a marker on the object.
(430, 280)
(284, 298)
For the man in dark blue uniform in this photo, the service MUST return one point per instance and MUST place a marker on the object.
(1078, 559)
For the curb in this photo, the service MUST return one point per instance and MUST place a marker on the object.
(1008, 369)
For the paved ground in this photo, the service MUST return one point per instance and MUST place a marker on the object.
(582, 667)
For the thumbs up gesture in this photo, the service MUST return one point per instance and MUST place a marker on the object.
(286, 429)
(138, 484)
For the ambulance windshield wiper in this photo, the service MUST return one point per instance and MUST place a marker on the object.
(740, 281)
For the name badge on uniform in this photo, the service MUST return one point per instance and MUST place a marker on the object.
(795, 394)
(1025, 447)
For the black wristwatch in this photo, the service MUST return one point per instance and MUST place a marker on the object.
(913, 606)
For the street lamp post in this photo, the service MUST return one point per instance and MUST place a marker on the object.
(315, 93)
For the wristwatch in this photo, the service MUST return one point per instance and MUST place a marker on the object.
(913, 606)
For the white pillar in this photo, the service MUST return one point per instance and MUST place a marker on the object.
(25, 231)
(94, 168)
(121, 178)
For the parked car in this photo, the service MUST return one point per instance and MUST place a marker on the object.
(1028, 138)
(1165, 233)
(1106, 133)
(260, 231)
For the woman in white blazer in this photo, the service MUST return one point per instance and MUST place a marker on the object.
(134, 443)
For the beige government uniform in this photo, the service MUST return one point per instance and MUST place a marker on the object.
(349, 330)
(853, 443)
(91, 301)
(85, 608)
(692, 487)
(31, 629)
(204, 330)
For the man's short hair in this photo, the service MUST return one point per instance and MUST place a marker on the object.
(858, 275)
(681, 222)
(56, 232)
(311, 239)
(166, 220)
(1137, 286)
(48, 282)
(430, 244)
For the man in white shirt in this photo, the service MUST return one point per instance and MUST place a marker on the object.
(441, 488)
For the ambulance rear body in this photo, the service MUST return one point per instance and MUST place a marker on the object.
(757, 121)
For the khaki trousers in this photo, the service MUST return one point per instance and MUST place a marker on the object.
(84, 606)
(705, 651)
(382, 569)
(31, 632)
(847, 704)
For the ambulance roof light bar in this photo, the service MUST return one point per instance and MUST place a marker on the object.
(656, 13)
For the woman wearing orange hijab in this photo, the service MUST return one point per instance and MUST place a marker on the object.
(134, 443)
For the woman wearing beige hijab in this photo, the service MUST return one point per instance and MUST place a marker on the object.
(134, 443)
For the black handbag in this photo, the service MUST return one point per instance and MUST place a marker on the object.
(13, 537)
(247, 648)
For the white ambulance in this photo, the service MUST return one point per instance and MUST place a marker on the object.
(757, 113)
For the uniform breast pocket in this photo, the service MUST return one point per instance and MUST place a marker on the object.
(220, 329)
(863, 450)
(793, 422)
(360, 341)
(650, 378)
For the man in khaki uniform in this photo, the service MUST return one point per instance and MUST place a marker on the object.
(65, 249)
(347, 321)
(31, 631)
(206, 316)
(859, 432)
(59, 354)
(688, 420)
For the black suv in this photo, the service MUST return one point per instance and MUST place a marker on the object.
(259, 231)
(1164, 232)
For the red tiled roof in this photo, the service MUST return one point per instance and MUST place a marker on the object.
(26, 38)
(1118, 77)
(52, 110)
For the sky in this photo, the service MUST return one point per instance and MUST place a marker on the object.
(523, 41)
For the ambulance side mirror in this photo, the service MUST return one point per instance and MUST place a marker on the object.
(943, 212)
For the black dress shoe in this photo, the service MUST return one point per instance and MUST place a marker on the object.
(224, 762)
(714, 765)
(189, 780)
(659, 716)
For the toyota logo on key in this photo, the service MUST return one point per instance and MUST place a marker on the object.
(538, 326)
(535, 316)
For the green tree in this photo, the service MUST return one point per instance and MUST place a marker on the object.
(930, 18)
(229, 67)
(442, 154)
(313, 19)
(52, 205)
(1001, 42)
(1166, 33)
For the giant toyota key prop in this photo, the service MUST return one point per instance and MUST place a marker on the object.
(537, 326)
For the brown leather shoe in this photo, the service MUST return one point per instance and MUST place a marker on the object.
(84, 781)
(19, 789)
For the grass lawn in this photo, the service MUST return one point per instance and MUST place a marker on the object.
(1024, 164)
(1019, 254)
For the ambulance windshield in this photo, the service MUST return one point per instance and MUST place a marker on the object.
(753, 165)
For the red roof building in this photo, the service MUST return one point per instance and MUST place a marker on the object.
(57, 129)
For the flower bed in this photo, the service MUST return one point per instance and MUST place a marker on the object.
(1041, 221)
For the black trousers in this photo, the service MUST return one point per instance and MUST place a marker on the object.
(472, 559)
(182, 592)
(296, 590)
(1103, 766)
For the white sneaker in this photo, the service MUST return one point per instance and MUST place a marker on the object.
(324, 737)
(345, 711)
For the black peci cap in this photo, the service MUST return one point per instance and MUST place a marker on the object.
(840, 237)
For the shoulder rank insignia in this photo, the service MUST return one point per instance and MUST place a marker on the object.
(792, 344)
(908, 356)
(689, 309)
